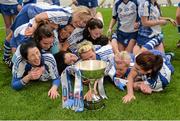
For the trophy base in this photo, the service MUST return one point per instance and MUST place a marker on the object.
(94, 105)
(178, 26)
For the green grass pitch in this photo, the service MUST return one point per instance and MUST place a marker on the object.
(32, 103)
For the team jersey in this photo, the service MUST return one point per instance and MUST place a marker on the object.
(52, 2)
(153, 13)
(21, 68)
(75, 37)
(19, 34)
(16, 55)
(56, 14)
(9, 2)
(163, 77)
(55, 47)
(140, 3)
(125, 14)
(105, 53)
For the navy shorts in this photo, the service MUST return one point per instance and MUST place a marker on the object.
(88, 3)
(9, 10)
(124, 37)
(29, 2)
(149, 43)
(24, 16)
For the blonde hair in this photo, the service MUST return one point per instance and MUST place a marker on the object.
(123, 57)
(82, 12)
(84, 46)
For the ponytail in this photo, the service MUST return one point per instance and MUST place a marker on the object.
(158, 6)
(155, 4)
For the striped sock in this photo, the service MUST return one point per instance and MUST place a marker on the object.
(7, 51)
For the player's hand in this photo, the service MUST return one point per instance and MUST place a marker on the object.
(128, 98)
(53, 93)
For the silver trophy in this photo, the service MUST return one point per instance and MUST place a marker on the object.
(92, 70)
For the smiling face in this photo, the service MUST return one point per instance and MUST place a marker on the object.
(34, 56)
(46, 43)
(95, 33)
(78, 22)
(65, 32)
(80, 19)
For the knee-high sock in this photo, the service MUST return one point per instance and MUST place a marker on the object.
(7, 50)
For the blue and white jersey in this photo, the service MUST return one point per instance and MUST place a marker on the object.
(56, 14)
(21, 68)
(88, 3)
(55, 47)
(62, 18)
(52, 2)
(16, 55)
(153, 13)
(51, 72)
(9, 2)
(140, 3)
(163, 77)
(75, 37)
(105, 53)
(125, 14)
(21, 29)
(19, 36)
